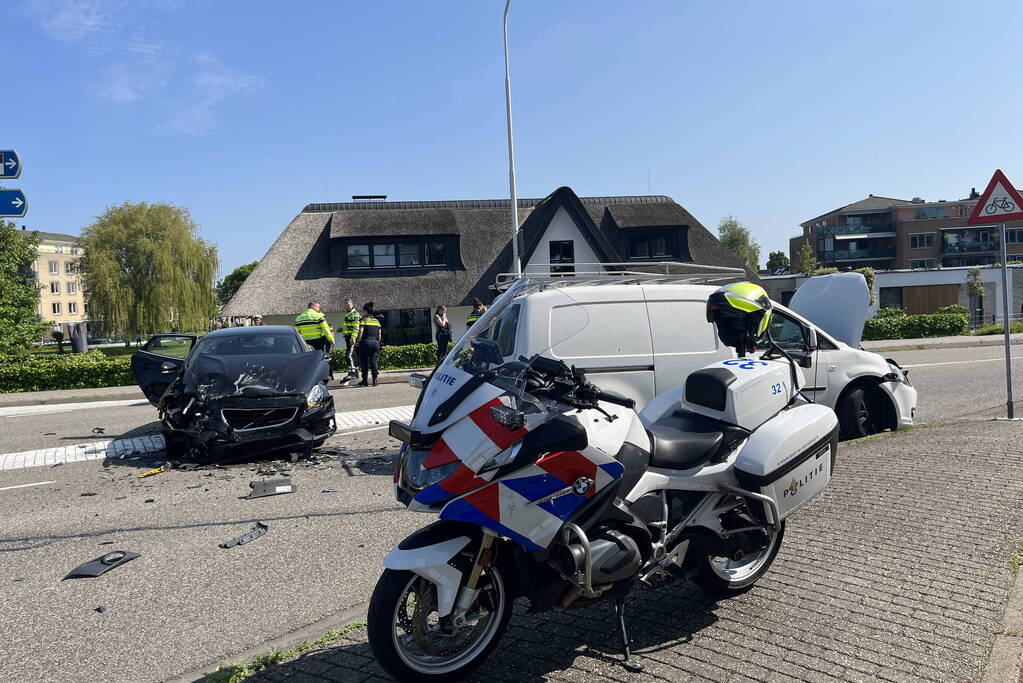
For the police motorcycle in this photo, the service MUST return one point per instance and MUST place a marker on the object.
(551, 489)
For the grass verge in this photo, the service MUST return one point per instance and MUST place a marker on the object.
(1016, 559)
(232, 673)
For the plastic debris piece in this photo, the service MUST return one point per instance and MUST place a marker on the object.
(149, 500)
(101, 564)
(193, 486)
(155, 470)
(49, 433)
(269, 487)
(107, 543)
(89, 493)
(99, 430)
(101, 609)
(329, 490)
(247, 537)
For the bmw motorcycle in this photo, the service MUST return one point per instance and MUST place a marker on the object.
(551, 489)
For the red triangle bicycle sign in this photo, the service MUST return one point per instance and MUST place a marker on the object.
(1000, 202)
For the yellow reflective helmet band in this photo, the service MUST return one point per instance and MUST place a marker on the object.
(742, 304)
(764, 322)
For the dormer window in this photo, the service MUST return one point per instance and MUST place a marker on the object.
(652, 244)
(389, 256)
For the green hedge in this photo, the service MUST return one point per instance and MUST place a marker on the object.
(63, 371)
(893, 323)
(1015, 326)
(393, 357)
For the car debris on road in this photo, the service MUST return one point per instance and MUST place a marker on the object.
(247, 537)
(269, 487)
(101, 564)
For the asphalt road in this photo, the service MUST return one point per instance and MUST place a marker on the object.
(34, 427)
(186, 602)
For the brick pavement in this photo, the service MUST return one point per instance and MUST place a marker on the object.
(899, 572)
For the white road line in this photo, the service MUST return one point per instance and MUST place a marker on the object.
(19, 411)
(959, 362)
(21, 486)
(360, 431)
(119, 448)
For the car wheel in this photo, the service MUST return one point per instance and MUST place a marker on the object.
(859, 413)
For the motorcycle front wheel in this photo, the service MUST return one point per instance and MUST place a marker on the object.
(412, 644)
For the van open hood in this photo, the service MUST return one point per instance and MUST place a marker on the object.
(838, 304)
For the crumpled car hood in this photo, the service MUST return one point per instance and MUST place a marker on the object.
(214, 377)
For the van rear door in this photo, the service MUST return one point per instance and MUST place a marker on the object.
(683, 340)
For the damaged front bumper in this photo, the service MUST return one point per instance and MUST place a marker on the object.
(218, 429)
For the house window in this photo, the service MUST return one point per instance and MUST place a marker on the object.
(54, 267)
(58, 249)
(72, 288)
(918, 263)
(72, 308)
(74, 251)
(921, 240)
(1014, 236)
(656, 244)
(406, 326)
(69, 267)
(890, 297)
(56, 307)
(383, 256)
(562, 251)
(391, 254)
(54, 288)
(358, 256)
(922, 213)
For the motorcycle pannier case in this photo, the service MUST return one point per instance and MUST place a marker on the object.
(789, 458)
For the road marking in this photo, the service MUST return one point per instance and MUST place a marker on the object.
(360, 431)
(958, 362)
(143, 445)
(19, 411)
(21, 486)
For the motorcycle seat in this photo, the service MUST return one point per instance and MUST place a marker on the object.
(684, 440)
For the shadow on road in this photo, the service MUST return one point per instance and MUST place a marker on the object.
(536, 646)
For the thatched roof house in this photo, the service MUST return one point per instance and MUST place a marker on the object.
(415, 255)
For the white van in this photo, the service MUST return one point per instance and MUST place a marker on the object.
(642, 338)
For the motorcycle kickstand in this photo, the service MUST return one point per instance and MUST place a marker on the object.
(629, 663)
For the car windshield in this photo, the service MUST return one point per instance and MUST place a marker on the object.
(250, 345)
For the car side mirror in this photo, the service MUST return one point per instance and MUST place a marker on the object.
(168, 368)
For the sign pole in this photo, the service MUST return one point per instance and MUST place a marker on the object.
(1005, 318)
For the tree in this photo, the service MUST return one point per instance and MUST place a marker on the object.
(806, 259)
(738, 239)
(227, 287)
(776, 260)
(146, 270)
(19, 290)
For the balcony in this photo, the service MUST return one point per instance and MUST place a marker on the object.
(873, 253)
(969, 247)
(833, 230)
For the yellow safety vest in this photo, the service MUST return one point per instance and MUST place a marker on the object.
(473, 317)
(350, 326)
(370, 321)
(312, 325)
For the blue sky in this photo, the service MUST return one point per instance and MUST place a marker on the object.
(246, 111)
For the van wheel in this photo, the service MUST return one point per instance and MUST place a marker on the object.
(859, 413)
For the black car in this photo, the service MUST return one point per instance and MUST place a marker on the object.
(236, 391)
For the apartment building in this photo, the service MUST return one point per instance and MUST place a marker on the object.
(61, 298)
(885, 233)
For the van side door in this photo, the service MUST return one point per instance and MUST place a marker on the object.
(683, 340)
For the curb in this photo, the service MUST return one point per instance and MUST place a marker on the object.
(922, 344)
(1005, 663)
(286, 642)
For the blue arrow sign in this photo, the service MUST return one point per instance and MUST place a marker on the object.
(12, 204)
(10, 164)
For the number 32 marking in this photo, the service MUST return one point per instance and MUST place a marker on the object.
(775, 389)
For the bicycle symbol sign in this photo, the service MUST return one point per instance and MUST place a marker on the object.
(1001, 204)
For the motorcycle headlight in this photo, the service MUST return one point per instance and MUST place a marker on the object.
(317, 395)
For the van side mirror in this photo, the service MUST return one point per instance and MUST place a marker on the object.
(811, 339)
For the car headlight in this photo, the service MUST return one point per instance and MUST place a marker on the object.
(316, 396)
(895, 374)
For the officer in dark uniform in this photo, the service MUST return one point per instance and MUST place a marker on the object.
(370, 339)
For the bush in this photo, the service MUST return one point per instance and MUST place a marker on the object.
(393, 357)
(890, 313)
(47, 372)
(954, 309)
(1016, 326)
(895, 326)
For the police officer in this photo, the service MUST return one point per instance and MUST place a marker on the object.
(350, 332)
(313, 327)
(478, 309)
(370, 338)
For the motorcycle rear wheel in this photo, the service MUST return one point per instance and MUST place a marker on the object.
(726, 576)
(411, 644)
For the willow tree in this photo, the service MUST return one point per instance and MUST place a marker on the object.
(145, 269)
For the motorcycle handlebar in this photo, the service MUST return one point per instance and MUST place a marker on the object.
(617, 399)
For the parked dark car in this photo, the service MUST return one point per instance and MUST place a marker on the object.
(256, 389)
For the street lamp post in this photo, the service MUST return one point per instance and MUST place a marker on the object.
(516, 266)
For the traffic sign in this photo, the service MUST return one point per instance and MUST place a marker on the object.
(10, 164)
(12, 204)
(1000, 202)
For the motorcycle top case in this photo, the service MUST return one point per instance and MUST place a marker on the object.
(790, 457)
(740, 391)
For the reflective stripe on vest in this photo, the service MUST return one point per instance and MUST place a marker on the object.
(370, 321)
(309, 325)
(473, 317)
(350, 327)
